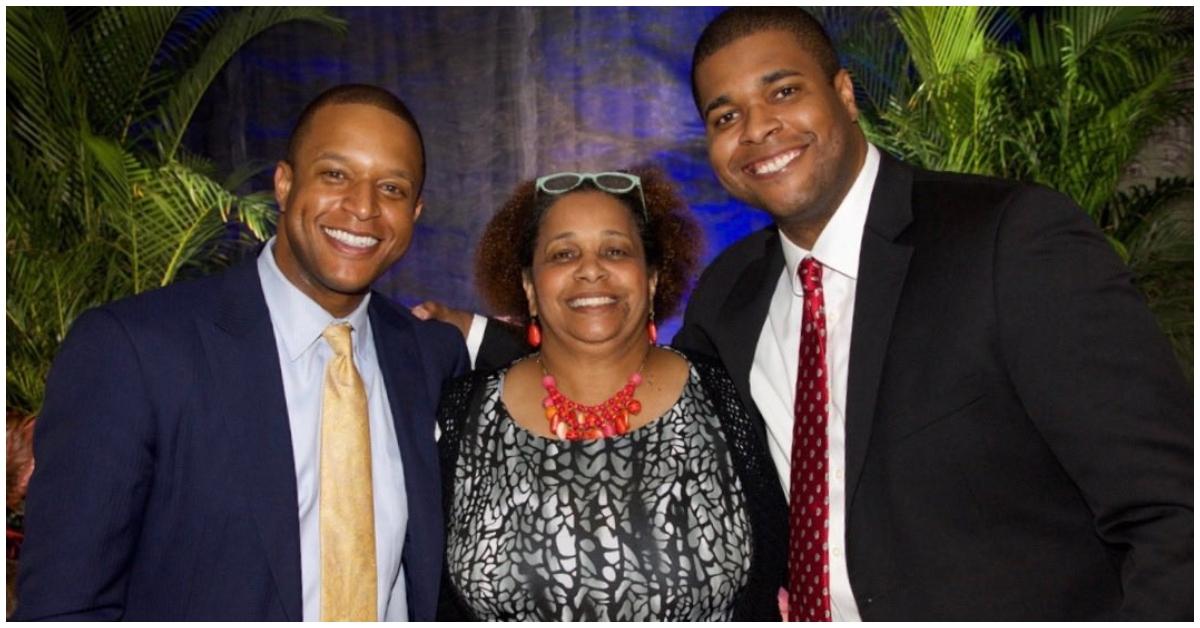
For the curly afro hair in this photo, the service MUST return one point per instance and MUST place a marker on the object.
(671, 238)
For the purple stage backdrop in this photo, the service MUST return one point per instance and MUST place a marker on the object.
(502, 95)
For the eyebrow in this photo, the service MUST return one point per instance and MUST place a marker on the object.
(606, 232)
(719, 101)
(767, 79)
(338, 157)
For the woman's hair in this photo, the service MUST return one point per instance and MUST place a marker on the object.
(671, 238)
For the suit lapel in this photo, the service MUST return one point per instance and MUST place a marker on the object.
(396, 347)
(743, 312)
(248, 395)
(883, 265)
(412, 414)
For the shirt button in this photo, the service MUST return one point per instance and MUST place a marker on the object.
(837, 552)
(840, 474)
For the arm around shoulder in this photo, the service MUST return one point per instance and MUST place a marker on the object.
(501, 344)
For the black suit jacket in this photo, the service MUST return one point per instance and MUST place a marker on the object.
(165, 487)
(1019, 434)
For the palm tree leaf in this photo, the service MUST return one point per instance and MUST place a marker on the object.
(47, 290)
(181, 101)
(40, 69)
(941, 39)
(118, 48)
(93, 213)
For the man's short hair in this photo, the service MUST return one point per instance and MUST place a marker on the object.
(355, 94)
(738, 22)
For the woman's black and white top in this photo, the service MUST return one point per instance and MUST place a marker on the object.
(657, 524)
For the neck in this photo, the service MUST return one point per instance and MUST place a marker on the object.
(804, 235)
(591, 379)
(337, 304)
(342, 305)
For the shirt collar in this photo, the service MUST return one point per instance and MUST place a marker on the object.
(299, 320)
(838, 246)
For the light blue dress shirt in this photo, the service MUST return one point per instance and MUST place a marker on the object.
(298, 323)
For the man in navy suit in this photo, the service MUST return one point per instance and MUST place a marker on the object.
(177, 451)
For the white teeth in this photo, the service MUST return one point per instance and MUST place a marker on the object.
(775, 164)
(590, 301)
(349, 239)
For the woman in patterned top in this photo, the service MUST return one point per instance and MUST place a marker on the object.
(602, 477)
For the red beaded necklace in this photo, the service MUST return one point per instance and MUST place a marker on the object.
(570, 420)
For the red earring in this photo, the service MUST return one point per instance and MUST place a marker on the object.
(652, 329)
(533, 333)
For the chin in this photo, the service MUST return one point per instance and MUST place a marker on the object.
(347, 285)
(793, 206)
(596, 336)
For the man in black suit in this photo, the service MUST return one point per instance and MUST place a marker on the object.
(1007, 433)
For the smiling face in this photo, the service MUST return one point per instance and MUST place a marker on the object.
(781, 136)
(589, 284)
(348, 203)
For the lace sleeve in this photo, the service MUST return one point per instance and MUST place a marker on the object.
(461, 397)
(765, 501)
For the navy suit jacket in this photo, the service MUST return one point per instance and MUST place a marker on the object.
(165, 487)
(1018, 432)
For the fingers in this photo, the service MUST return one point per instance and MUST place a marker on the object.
(426, 310)
(434, 310)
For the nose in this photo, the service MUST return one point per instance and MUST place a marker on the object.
(760, 124)
(360, 200)
(591, 268)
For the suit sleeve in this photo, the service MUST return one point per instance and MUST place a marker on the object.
(1105, 390)
(94, 461)
(502, 344)
(691, 337)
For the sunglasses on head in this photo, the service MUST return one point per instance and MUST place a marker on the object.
(611, 182)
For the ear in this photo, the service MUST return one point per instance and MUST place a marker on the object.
(417, 208)
(283, 184)
(653, 286)
(844, 86)
(530, 294)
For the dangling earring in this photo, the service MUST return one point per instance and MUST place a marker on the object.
(533, 333)
(651, 328)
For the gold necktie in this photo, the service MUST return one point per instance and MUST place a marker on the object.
(347, 508)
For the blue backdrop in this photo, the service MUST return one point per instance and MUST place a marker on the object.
(502, 95)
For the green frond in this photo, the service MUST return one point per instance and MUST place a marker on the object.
(42, 110)
(175, 214)
(1160, 256)
(92, 214)
(47, 290)
(1129, 209)
(1068, 104)
(246, 171)
(1093, 26)
(258, 213)
(118, 47)
(196, 163)
(871, 48)
(181, 101)
(942, 39)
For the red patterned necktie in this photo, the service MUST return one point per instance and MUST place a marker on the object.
(808, 553)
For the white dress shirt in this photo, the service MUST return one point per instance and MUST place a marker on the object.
(298, 323)
(776, 357)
